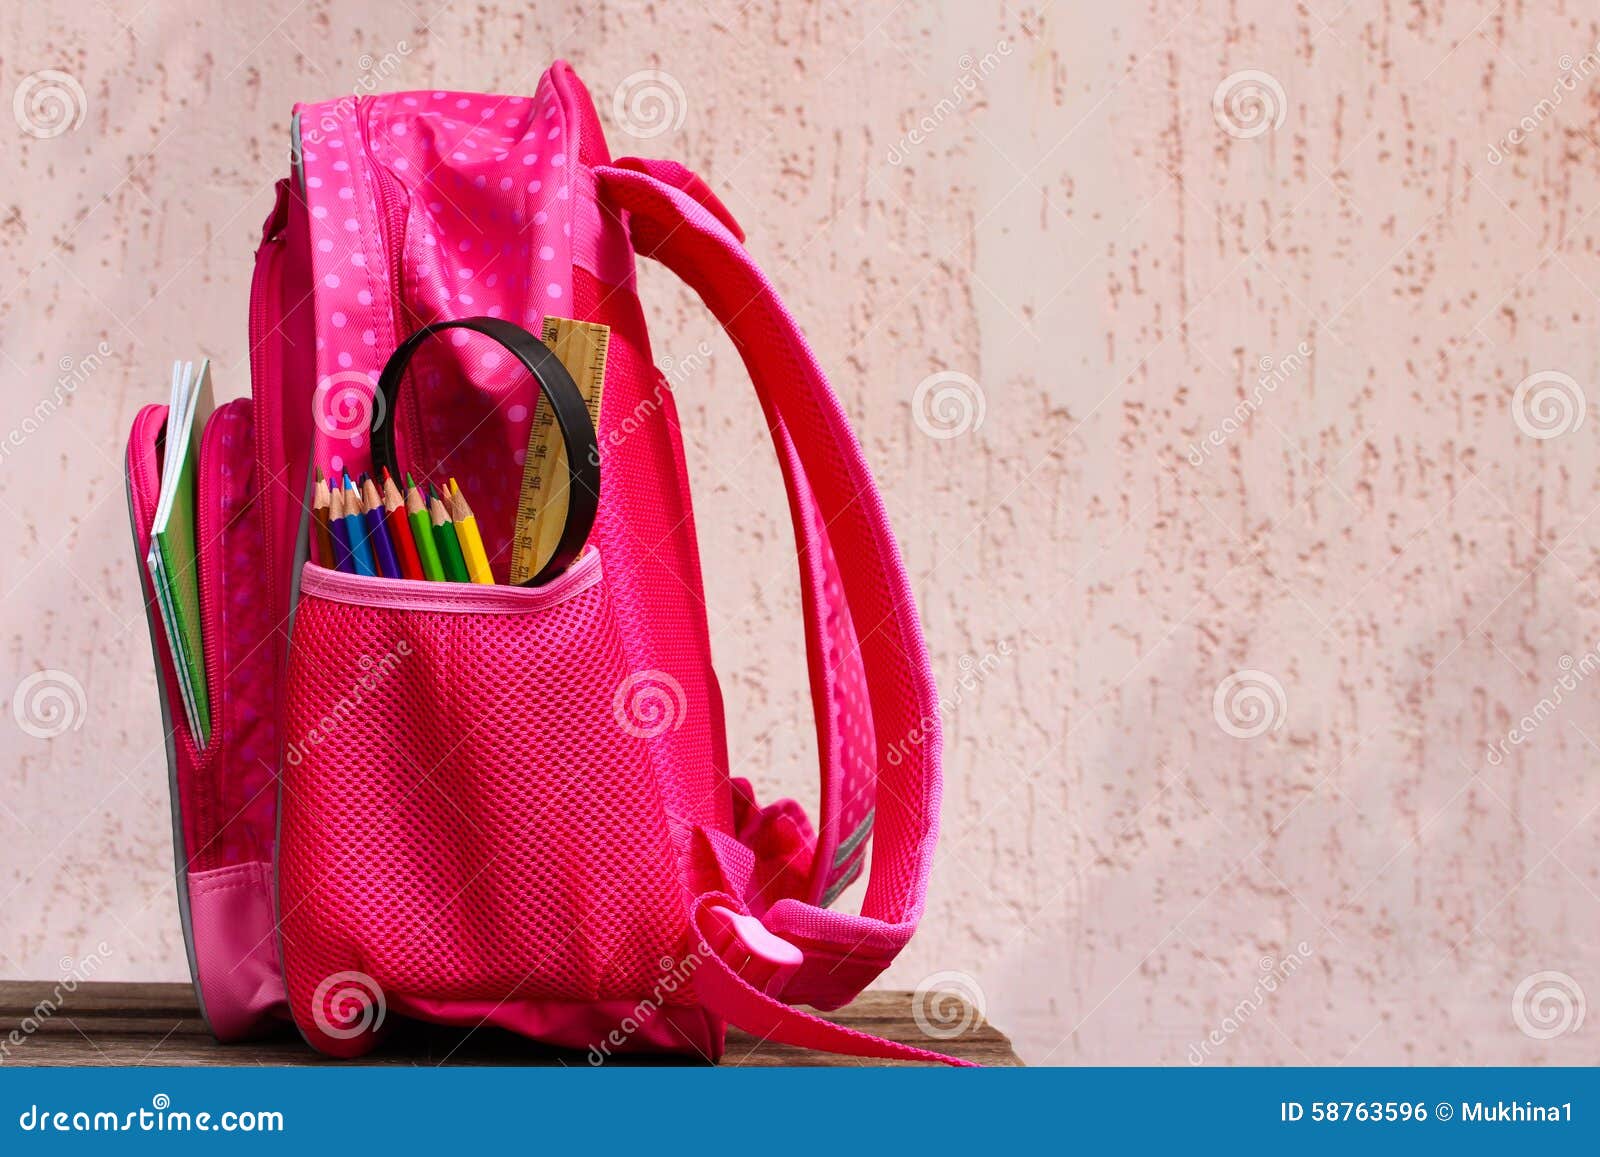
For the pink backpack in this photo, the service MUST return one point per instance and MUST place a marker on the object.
(512, 805)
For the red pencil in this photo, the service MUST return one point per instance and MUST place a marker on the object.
(405, 547)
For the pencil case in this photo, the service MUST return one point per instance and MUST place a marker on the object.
(515, 806)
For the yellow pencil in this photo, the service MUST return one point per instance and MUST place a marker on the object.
(471, 541)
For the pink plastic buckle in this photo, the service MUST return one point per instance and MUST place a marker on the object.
(763, 960)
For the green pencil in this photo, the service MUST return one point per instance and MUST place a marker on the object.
(422, 533)
(444, 537)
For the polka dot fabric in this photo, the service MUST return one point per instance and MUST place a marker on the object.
(426, 206)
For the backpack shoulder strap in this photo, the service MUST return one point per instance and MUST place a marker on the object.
(844, 722)
(876, 705)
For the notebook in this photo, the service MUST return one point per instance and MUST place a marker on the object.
(172, 557)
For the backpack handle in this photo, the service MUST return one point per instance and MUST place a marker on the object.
(566, 402)
(846, 520)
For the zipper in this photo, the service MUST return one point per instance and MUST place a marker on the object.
(394, 208)
(209, 527)
(266, 378)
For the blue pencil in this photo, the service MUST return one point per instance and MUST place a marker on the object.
(356, 528)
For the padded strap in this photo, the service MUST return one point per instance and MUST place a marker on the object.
(845, 735)
(840, 517)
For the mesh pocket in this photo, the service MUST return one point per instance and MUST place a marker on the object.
(465, 817)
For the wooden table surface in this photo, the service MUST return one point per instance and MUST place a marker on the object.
(159, 1024)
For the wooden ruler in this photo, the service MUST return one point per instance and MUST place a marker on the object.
(542, 501)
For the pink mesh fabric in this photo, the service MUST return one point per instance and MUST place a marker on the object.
(465, 818)
(645, 529)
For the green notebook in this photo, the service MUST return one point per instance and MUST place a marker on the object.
(172, 559)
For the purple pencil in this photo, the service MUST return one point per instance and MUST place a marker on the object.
(378, 531)
(342, 558)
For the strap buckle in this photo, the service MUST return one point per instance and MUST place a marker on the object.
(762, 960)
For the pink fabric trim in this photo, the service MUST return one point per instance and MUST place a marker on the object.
(236, 948)
(457, 598)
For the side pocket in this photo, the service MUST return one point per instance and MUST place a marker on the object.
(469, 827)
(223, 798)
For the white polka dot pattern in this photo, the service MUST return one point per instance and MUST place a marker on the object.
(426, 206)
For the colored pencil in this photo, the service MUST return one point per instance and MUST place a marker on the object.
(340, 534)
(422, 533)
(405, 547)
(320, 500)
(378, 530)
(444, 537)
(356, 527)
(472, 551)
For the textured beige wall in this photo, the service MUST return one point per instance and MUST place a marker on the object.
(1376, 536)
